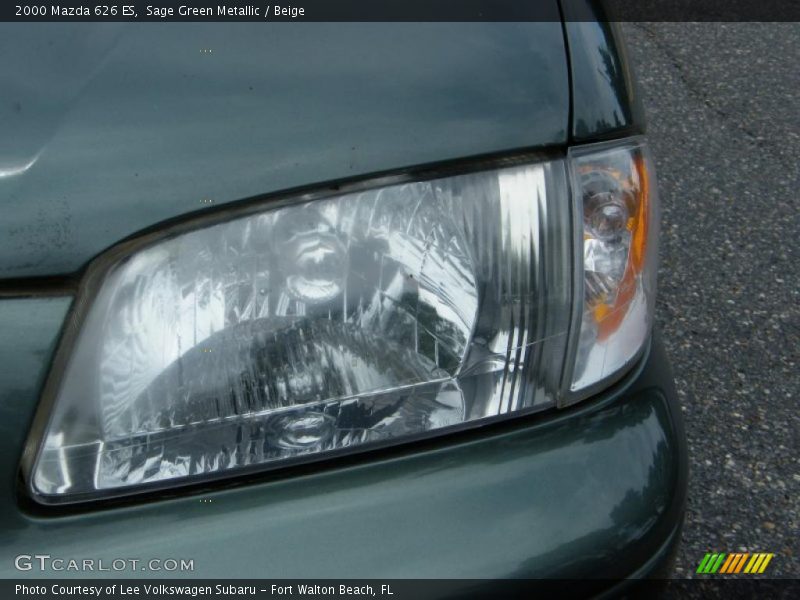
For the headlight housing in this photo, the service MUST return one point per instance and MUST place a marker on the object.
(319, 324)
(617, 223)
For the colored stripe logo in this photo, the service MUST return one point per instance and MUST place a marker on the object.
(737, 562)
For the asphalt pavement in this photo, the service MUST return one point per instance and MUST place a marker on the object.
(724, 124)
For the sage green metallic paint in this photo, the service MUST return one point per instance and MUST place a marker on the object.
(605, 98)
(111, 128)
(592, 491)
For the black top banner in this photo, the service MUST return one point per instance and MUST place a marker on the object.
(402, 10)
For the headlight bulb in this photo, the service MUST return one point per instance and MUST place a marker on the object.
(315, 259)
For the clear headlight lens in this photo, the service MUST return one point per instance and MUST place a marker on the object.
(617, 205)
(316, 327)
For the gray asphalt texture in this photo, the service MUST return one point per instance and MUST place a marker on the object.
(724, 125)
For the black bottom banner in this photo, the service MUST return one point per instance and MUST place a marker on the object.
(395, 589)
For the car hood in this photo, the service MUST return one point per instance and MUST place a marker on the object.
(113, 128)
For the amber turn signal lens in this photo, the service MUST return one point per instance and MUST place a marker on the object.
(609, 315)
(613, 189)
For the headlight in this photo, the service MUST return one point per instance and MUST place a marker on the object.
(311, 326)
(617, 223)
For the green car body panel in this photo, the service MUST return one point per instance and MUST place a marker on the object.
(139, 137)
(114, 128)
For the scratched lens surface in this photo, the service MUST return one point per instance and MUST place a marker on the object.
(315, 327)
